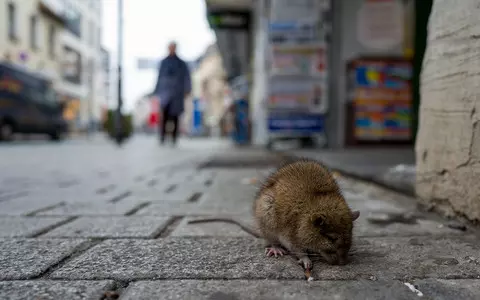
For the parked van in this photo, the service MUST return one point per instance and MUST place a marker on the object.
(28, 104)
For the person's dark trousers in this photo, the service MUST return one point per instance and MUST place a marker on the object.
(167, 116)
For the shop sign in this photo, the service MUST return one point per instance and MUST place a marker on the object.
(229, 20)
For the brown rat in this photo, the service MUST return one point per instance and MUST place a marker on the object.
(300, 208)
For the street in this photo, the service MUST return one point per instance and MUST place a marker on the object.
(85, 219)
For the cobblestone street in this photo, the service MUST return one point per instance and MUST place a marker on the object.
(87, 220)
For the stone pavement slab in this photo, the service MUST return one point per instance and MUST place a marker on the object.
(26, 226)
(321, 290)
(54, 290)
(363, 228)
(92, 208)
(408, 257)
(201, 208)
(110, 227)
(25, 206)
(171, 208)
(214, 229)
(243, 258)
(195, 258)
(391, 167)
(234, 208)
(27, 258)
(233, 192)
(73, 195)
(182, 192)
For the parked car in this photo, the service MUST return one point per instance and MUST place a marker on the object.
(28, 104)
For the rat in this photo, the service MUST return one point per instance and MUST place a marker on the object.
(300, 209)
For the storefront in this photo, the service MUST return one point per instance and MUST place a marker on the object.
(378, 90)
(71, 111)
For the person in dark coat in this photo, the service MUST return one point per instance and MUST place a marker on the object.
(173, 86)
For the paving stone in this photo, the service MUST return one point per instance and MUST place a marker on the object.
(448, 289)
(327, 290)
(232, 208)
(171, 208)
(375, 205)
(201, 208)
(211, 229)
(110, 227)
(199, 258)
(26, 226)
(237, 175)
(66, 196)
(54, 290)
(25, 206)
(93, 208)
(363, 228)
(26, 258)
(413, 257)
(265, 289)
(243, 258)
(182, 192)
(232, 193)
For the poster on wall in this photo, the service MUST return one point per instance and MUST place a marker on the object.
(297, 123)
(302, 60)
(382, 99)
(380, 24)
(297, 98)
(296, 32)
(298, 94)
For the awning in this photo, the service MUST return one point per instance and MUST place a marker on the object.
(231, 21)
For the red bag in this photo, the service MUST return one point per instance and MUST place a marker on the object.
(153, 119)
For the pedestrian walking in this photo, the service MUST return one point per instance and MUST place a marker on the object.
(173, 86)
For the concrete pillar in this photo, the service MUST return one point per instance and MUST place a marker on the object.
(448, 140)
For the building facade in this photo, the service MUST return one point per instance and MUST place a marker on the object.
(209, 85)
(29, 36)
(62, 40)
(81, 83)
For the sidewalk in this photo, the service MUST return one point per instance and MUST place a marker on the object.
(135, 243)
(389, 167)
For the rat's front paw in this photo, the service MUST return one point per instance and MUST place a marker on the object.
(305, 262)
(275, 251)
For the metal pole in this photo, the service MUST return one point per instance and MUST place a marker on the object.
(90, 97)
(118, 123)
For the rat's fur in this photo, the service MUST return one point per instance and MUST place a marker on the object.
(300, 207)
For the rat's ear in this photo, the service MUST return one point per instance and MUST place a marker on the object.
(355, 214)
(319, 221)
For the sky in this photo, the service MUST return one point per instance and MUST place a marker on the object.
(149, 25)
